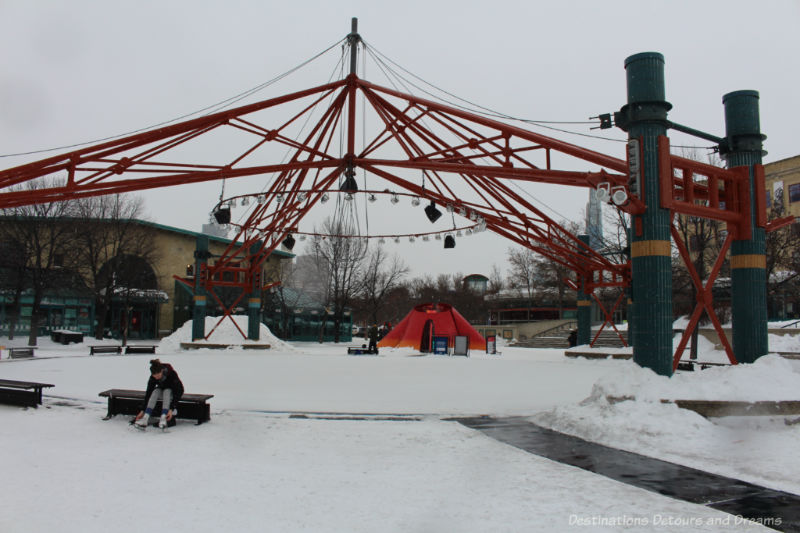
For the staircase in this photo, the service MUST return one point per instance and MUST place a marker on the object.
(558, 338)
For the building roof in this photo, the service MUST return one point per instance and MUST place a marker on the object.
(170, 229)
(195, 234)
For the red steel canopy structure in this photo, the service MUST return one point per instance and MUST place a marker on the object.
(470, 164)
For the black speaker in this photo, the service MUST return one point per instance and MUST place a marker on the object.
(223, 215)
(432, 213)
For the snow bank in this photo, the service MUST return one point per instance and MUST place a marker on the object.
(225, 333)
(624, 410)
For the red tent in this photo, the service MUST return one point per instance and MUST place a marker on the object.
(424, 322)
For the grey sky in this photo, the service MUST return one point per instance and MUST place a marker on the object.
(82, 70)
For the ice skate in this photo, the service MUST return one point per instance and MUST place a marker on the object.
(142, 422)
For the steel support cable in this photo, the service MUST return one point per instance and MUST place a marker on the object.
(490, 112)
(477, 108)
(213, 107)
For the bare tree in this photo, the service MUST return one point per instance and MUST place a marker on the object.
(108, 239)
(13, 274)
(496, 281)
(339, 255)
(45, 234)
(524, 271)
(381, 276)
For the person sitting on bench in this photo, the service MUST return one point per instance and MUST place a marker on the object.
(165, 385)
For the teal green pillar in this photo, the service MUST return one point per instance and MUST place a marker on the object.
(645, 119)
(743, 148)
(629, 294)
(584, 307)
(254, 297)
(201, 256)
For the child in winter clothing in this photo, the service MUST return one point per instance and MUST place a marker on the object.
(165, 385)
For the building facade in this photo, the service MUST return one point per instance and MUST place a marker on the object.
(152, 306)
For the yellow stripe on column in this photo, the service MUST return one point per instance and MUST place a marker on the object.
(650, 248)
(583, 303)
(749, 261)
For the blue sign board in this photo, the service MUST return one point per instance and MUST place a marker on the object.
(440, 345)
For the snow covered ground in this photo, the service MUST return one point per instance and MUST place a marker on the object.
(254, 468)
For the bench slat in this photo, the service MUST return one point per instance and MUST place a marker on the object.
(23, 384)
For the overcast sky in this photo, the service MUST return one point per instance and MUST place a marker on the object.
(83, 70)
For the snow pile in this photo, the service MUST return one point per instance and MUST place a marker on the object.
(225, 333)
(625, 410)
(784, 343)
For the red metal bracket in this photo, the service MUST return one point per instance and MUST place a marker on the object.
(609, 319)
(704, 298)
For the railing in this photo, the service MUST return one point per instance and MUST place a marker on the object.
(792, 324)
(573, 324)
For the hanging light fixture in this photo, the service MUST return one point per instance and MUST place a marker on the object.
(415, 201)
(302, 237)
(301, 197)
(349, 184)
(432, 212)
(288, 242)
(397, 239)
(260, 199)
(222, 215)
(279, 199)
(458, 233)
(395, 198)
(438, 237)
(449, 241)
(371, 197)
(425, 238)
(382, 241)
(450, 208)
(324, 197)
(348, 197)
(245, 200)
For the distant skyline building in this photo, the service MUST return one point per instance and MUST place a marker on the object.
(214, 229)
(594, 221)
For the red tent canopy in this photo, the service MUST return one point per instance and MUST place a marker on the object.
(425, 321)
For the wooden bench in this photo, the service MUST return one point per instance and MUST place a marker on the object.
(20, 353)
(24, 393)
(140, 348)
(129, 402)
(104, 349)
(65, 337)
(360, 350)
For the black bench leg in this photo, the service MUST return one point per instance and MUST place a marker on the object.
(110, 412)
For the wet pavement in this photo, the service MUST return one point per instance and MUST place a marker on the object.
(726, 494)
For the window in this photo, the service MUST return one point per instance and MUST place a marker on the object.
(769, 199)
(794, 193)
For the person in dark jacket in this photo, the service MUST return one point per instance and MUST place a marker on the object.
(573, 338)
(373, 339)
(165, 385)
